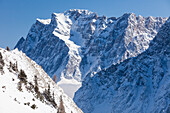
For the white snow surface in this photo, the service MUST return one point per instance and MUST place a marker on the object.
(44, 21)
(70, 86)
(15, 101)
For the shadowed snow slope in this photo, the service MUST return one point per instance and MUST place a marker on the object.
(137, 85)
(26, 88)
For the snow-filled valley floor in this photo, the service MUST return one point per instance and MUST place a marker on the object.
(69, 86)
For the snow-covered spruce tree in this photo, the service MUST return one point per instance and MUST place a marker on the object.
(22, 76)
(36, 89)
(23, 79)
(50, 98)
(13, 67)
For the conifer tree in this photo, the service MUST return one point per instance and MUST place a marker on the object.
(7, 48)
(55, 78)
(61, 108)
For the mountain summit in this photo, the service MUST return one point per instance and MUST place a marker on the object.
(77, 42)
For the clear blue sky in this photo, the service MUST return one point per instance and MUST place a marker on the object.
(17, 16)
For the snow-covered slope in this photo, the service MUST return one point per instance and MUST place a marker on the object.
(26, 88)
(76, 42)
(137, 85)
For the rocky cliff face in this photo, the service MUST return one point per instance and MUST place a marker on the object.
(26, 88)
(136, 85)
(76, 42)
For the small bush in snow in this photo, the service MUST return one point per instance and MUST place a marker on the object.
(33, 106)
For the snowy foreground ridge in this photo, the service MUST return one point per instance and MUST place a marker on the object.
(26, 88)
(137, 85)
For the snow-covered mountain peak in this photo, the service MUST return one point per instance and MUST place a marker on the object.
(74, 12)
(127, 15)
(78, 42)
(43, 21)
(168, 20)
(58, 17)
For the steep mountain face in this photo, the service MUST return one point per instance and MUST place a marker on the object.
(76, 42)
(26, 88)
(137, 85)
